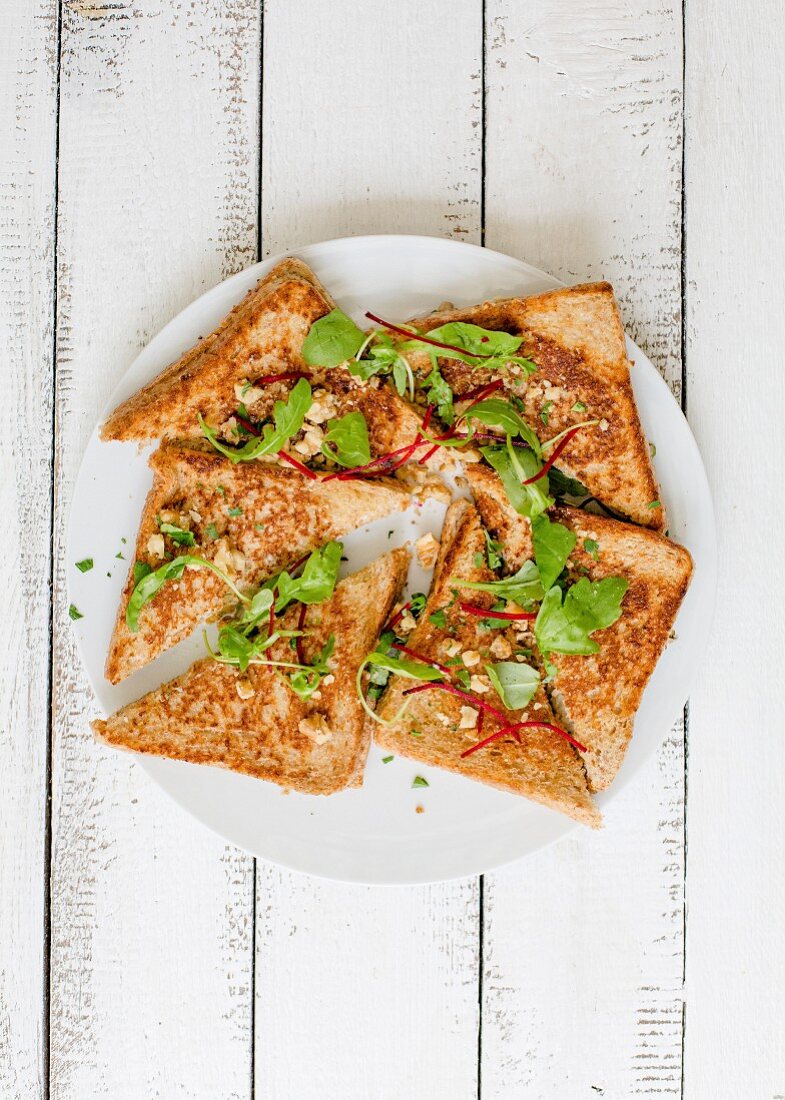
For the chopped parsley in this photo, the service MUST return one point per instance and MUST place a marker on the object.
(438, 619)
(120, 555)
(545, 412)
(579, 407)
(211, 531)
(235, 511)
(387, 759)
(655, 504)
(85, 565)
(592, 548)
(74, 612)
(418, 781)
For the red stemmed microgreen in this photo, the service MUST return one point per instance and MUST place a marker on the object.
(511, 616)
(512, 731)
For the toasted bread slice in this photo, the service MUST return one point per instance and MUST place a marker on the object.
(253, 722)
(576, 339)
(251, 519)
(597, 696)
(260, 338)
(544, 767)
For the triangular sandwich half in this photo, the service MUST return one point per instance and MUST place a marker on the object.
(259, 340)
(251, 520)
(596, 696)
(437, 727)
(575, 338)
(252, 721)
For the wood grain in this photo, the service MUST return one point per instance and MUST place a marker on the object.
(152, 937)
(367, 992)
(735, 396)
(28, 99)
(582, 978)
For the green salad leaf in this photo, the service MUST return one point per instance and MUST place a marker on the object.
(479, 347)
(381, 356)
(288, 416)
(514, 466)
(305, 681)
(317, 580)
(332, 340)
(563, 486)
(151, 582)
(553, 544)
(439, 393)
(564, 623)
(403, 666)
(523, 587)
(515, 683)
(177, 534)
(346, 440)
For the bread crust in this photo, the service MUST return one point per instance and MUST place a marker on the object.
(200, 717)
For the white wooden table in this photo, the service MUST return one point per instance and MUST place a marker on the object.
(148, 149)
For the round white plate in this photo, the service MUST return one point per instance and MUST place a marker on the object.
(374, 834)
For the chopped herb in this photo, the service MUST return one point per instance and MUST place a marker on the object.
(235, 511)
(220, 489)
(257, 526)
(655, 504)
(387, 759)
(592, 548)
(545, 412)
(479, 560)
(120, 555)
(211, 531)
(652, 450)
(85, 565)
(123, 541)
(493, 550)
(389, 534)
(419, 782)
(74, 612)
(415, 733)
(439, 619)
(579, 407)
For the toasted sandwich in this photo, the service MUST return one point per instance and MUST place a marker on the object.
(597, 695)
(461, 724)
(248, 520)
(575, 339)
(253, 359)
(252, 721)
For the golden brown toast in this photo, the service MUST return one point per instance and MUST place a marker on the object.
(544, 767)
(598, 695)
(252, 519)
(202, 718)
(576, 339)
(261, 337)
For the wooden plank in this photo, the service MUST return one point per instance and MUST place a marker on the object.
(735, 286)
(582, 987)
(152, 945)
(365, 992)
(28, 119)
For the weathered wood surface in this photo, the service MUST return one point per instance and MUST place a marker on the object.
(152, 932)
(28, 96)
(177, 967)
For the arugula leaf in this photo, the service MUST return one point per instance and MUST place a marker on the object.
(74, 613)
(497, 349)
(383, 357)
(439, 393)
(524, 587)
(553, 544)
(147, 587)
(417, 603)
(85, 565)
(332, 340)
(289, 417)
(141, 569)
(513, 467)
(305, 681)
(495, 412)
(493, 551)
(515, 683)
(565, 627)
(403, 666)
(317, 580)
(346, 440)
(561, 485)
(177, 534)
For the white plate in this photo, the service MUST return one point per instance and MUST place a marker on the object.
(373, 834)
